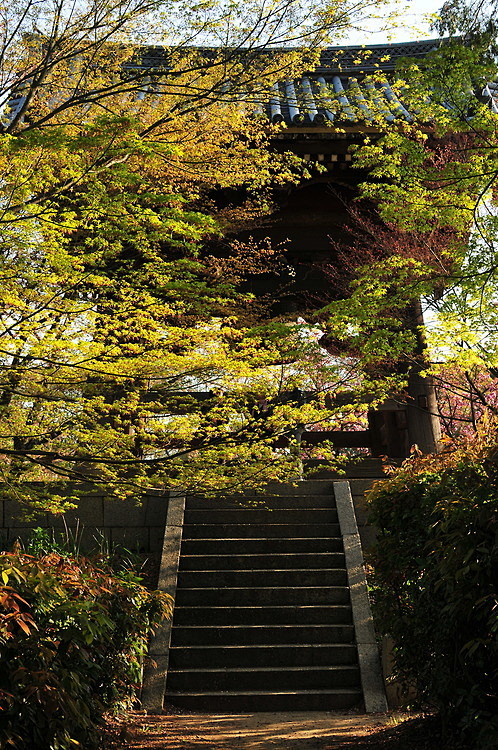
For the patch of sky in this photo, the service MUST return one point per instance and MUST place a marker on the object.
(397, 22)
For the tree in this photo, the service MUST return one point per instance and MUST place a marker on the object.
(112, 309)
(434, 585)
(433, 182)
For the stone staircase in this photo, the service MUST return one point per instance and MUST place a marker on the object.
(263, 618)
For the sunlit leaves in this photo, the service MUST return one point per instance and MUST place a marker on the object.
(438, 174)
(434, 583)
(72, 637)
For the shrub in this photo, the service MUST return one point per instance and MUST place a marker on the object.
(72, 636)
(435, 584)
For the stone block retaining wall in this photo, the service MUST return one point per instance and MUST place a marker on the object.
(139, 528)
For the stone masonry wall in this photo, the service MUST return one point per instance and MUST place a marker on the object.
(139, 528)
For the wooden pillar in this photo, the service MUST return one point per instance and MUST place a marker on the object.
(410, 419)
(421, 413)
(424, 429)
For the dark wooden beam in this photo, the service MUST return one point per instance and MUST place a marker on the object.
(338, 438)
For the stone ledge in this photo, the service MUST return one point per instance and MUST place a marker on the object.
(368, 652)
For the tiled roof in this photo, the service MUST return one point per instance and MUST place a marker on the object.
(350, 85)
(370, 58)
(335, 91)
(348, 59)
(319, 99)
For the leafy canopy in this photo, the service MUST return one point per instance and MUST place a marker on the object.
(433, 182)
(116, 161)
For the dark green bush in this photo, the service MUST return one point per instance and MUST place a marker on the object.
(72, 636)
(435, 585)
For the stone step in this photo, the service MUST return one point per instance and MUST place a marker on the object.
(194, 502)
(263, 602)
(368, 468)
(251, 635)
(257, 597)
(258, 578)
(251, 531)
(281, 656)
(306, 487)
(255, 701)
(258, 545)
(263, 562)
(297, 678)
(339, 614)
(262, 516)
(360, 486)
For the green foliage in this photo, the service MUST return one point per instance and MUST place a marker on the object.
(433, 182)
(373, 318)
(435, 584)
(462, 329)
(433, 170)
(72, 636)
(112, 185)
(44, 541)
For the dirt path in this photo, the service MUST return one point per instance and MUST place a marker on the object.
(261, 731)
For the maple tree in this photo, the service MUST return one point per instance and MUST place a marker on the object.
(433, 231)
(112, 310)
